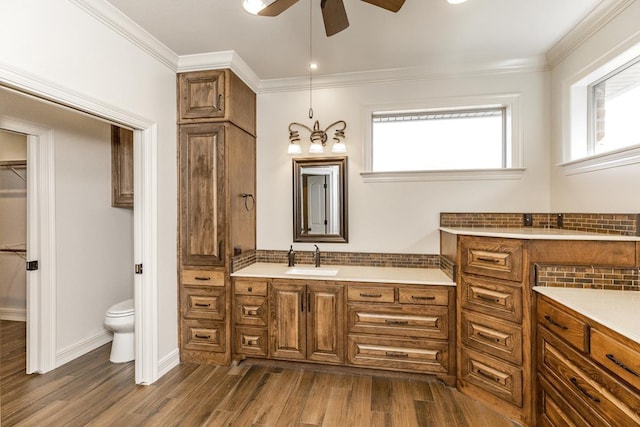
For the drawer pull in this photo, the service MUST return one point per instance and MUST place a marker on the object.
(488, 375)
(574, 381)
(488, 337)
(396, 322)
(252, 343)
(422, 298)
(203, 337)
(249, 289)
(199, 304)
(554, 323)
(487, 259)
(370, 295)
(203, 278)
(612, 358)
(253, 312)
(398, 354)
(488, 298)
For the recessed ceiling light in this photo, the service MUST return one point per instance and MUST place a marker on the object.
(313, 66)
(253, 6)
(456, 1)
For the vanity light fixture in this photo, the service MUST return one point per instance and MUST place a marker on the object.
(253, 6)
(317, 137)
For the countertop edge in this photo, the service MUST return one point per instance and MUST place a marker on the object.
(537, 234)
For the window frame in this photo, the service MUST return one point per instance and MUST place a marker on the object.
(576, 123)
(511, 103)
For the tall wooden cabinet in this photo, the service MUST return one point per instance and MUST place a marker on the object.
(216, 166)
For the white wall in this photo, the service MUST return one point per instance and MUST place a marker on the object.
(612, 190)
(13, 229)
(58, 43)
(94, 241)
(396, 217)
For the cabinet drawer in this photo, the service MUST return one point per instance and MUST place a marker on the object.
(203, 303)
(419, 322)
(564, 325)
(492, 257)
(587, 382)
(201, 335)
(251, 341)
(395, 353)
(491, 297)
(250, 287)
(498, 378)
(202, 277)
(617, 357)
(426, 296)
(251, 310)
(370, 294)
(492, 336)
(555, 411)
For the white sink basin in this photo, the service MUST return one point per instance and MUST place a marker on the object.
(301, 271)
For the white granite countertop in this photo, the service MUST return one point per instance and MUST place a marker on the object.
(350, 273)
(536, 233)
(617, 310)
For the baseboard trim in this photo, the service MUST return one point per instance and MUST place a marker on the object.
(83, 347)
(13, 314)
(168, 362)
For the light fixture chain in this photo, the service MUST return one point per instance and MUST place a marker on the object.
(310, 59)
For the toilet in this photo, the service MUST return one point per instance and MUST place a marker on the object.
(119, 319)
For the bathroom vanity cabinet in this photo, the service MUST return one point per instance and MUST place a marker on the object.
(216, 166)
(389, 326)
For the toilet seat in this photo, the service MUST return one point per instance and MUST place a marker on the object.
(122, 309)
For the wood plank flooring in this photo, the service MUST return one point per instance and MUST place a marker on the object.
(90, 391)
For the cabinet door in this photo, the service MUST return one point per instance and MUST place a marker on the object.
(325, 324)
(287, 330)
(201, 94)
(121, 167)
(202, 207)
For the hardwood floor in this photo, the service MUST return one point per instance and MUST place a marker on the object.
(90, 391)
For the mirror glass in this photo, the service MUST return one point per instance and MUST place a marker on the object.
(320, 200)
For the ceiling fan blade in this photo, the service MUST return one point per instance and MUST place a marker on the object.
(391, 5)
(334, 16)
(277, 7)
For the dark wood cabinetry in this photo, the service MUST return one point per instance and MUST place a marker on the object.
(587, 374)
(216, 164)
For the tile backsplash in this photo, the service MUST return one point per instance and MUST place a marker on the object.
(619, 224)
(591, 277)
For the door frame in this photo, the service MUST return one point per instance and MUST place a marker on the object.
(41, 298)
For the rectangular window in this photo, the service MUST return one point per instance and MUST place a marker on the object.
(614, 102)
(440, 140)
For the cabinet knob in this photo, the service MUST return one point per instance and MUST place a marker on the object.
(250, 289)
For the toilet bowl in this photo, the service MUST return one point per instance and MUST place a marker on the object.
(119, 319)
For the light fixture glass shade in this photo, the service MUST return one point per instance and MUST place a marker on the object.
(339, 148)
(294, 148)
(316, 148)
(253, 6)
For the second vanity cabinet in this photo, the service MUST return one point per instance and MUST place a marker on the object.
(399, 327)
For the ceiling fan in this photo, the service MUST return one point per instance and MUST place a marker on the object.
(333, 12)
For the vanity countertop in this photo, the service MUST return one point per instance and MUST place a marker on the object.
(536, 233)
(349, 273)
(617, 310)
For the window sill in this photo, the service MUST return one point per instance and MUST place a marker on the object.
(444, 175)
(613, 159)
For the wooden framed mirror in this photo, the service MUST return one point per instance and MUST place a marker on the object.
(320, 200)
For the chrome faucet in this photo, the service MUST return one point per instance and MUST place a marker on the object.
(316, 256)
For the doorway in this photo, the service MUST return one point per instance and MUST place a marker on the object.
(44, 345)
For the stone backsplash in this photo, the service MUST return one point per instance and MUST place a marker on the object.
(590, 277)
(619, 224)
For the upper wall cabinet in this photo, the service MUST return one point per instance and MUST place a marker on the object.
(205, 96)
(121, 167)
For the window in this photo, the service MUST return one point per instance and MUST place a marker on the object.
(439, 140)
(614, 102)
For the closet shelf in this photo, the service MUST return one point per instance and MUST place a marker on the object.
(12, 165)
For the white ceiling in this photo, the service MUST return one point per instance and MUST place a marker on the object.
(424, 33)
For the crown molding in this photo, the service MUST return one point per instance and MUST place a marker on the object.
(599, 17)
(219, 60)
(107, 14)
(401, 75)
